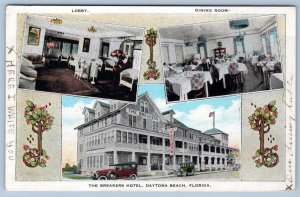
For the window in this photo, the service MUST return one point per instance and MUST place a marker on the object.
(105, 138)
(124, 135)
(101, 161)
(155, 126)
(108, 137)
(239, 45)
(118, 136)
(142, 160)
(75, 49)
(132, 121)
(264, 43)
(129, 137)
(111, 159)
(274, 42)
(144, 123)
(105, 122)
(93, 141)
(102, 138)
(112, 136)
(135, 138)
(80, 148)
(97, 161)
(96, 140)
(94, 161)
(99, 139)
(88, 161)
(144, 107)
(99, 114)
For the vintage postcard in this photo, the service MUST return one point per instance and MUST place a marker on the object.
(148, 98)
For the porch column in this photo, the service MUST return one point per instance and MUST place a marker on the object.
(202, 167)
(164, 144)
(148, 142)
(133, 156)
(163, 162)
(191, 158)
(148, 163)
(198, 162)
(115, 157)
(174, 162)
(226, 163)
(209, 163)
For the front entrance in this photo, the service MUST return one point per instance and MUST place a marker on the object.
(156, 163)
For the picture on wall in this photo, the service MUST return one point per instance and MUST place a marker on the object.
(34, 34)
(86, 45)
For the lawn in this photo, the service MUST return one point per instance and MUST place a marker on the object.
(71, 175)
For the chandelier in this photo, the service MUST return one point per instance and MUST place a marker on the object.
(92, 29)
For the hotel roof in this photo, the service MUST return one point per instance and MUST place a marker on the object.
(214, 131)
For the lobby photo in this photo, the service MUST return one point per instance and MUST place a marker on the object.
(80, 57)
(151, 139)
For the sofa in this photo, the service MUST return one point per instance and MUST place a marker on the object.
(28, 75)
(36, 59)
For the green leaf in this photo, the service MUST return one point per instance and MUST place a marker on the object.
(35, 116)
(267, 115)
(272, 117)
(268, 163)
(51, 118)
(257, 153)
(29, 103)
(33, 163)
(45, 112)
(32, 121)
(39, 112)
(43, 165)
(262, 112)
(250, 118)
(28, 108)
(272, 103)
(273, 109)
(48, 126)
(44, 153)
(28, 117)
(258, 165)
(256, 113)
(253, 126)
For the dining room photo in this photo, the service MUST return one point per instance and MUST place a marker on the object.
(240, 55)
(80, 56)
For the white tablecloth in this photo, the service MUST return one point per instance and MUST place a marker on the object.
(177, 69)
(267, 65)
(223, 70)
(181, 83)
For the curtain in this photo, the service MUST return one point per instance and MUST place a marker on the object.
(274, 42)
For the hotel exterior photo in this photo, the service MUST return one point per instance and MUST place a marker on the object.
(117, 132)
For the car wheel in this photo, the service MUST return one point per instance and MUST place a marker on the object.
(133, 177)
(111, 176)
(102, 177)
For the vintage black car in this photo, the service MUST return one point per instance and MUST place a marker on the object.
(118, 171)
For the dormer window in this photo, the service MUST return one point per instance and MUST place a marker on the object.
(144, 106)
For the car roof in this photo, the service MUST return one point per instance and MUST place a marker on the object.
(124, 164)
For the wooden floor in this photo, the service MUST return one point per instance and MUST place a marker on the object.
(253, 82)
(62, 80)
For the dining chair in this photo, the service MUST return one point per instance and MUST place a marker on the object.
(78, 69)
(197, 84)
(234, 76)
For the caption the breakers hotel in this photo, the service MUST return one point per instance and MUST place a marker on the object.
(118, 132)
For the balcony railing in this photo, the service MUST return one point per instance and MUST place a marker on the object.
(156, 147)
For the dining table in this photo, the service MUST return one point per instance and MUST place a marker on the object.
(182, 83)
(223, 70)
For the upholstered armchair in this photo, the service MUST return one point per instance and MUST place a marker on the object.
(128, 76)
(28, 75)
(109, 65)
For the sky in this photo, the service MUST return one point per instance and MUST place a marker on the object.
(194, 114)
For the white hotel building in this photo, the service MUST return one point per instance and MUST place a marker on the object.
(138, 132)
